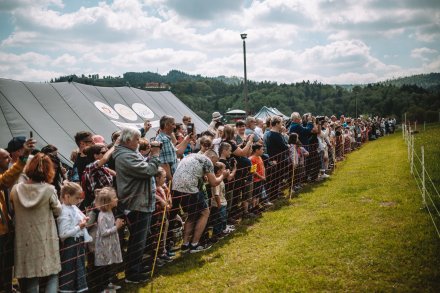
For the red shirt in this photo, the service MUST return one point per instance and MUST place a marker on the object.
(258, 161)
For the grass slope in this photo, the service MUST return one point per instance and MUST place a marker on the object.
(362, 230)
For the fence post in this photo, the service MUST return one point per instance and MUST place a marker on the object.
(412, 154)
(403, 131)
(423, 176)
(408, 143)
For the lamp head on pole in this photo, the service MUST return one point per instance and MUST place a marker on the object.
(243, 36)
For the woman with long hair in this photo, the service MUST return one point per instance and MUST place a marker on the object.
(36, 239)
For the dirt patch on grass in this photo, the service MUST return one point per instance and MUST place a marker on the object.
(388, 204)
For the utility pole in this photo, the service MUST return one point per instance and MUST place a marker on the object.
(245, 90)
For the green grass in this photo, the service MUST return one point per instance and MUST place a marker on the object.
(361, 231)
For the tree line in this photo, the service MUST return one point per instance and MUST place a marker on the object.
(418, 96)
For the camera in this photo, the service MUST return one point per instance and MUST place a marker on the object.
(319, 119)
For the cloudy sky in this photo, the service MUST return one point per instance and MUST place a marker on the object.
(332, 41)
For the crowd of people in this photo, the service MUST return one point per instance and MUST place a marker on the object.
(133, 204)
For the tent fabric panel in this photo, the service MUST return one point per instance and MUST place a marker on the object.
(24, 113)
(183, 110)
(57, 108)
(96, 121)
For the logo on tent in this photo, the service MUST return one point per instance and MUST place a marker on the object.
(126, 112)
(143, 111)
(107, 110)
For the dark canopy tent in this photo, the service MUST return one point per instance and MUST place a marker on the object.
(56, 111)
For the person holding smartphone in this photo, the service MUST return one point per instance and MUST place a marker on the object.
(169, 152)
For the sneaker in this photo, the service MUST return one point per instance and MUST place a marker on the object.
(136, 279)
(325, 176)
(184, 248)
(112, 286)
(165, 257)
(249, 215)
(160, 263)
(230, 227)
(198, 248)
(268, 203)
(171, 253)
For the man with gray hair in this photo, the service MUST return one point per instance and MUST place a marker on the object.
(251, 123)
(303, 131)
(134, 183)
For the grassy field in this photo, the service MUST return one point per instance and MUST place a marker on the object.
(360, 231)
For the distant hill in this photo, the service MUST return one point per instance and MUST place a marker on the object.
(418, 96)
(425, 81)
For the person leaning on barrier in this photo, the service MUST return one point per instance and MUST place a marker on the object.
(134, 186)
(187, 193)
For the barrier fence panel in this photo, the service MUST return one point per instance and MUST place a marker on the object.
(428, 191)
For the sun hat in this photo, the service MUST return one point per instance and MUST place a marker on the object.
(216, 116)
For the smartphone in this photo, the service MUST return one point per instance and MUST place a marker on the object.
(190, 128)
(31, 134)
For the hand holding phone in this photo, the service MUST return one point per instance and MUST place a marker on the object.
(190, 128)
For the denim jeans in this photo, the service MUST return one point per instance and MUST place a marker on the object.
(219, 219)
(31, 285)
(73, 266)
(139, 226)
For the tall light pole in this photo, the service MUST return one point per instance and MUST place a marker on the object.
(245, 90)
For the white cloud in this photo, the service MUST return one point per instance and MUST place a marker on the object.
(287, 40)
(421, 53)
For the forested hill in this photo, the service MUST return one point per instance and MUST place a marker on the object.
(421, 80)
(205, 95)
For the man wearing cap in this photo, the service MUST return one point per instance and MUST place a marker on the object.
(16, 148)
(216, 116)
(8, 177)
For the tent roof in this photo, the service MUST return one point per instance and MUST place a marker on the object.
(235, 112)
(266, 112)
(56, 111)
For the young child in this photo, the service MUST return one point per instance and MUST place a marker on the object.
(73, 235)
(259, 175)
(219, 212)
(224, 152)
(162, 201)
(107, 248)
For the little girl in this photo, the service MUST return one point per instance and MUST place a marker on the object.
(73, 235)
(107, 247)
(162, 201)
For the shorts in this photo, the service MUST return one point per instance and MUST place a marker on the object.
(191, 203)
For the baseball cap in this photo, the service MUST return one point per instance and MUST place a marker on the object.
(16, 143)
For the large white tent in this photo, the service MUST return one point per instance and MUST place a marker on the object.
(56, 111)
